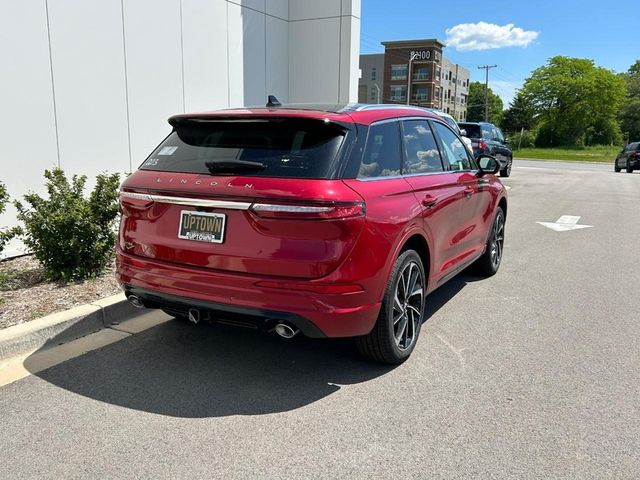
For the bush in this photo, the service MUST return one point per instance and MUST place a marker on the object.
(6, 234)
(73, 237)
(528, 139)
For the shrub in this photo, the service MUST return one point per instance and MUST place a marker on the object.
(73, 237)
(6, 234)
(524, 139)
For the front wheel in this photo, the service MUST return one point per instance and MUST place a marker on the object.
(506, 171)
(396, 331)
(489, 263)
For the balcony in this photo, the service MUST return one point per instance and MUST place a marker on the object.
(420, 77)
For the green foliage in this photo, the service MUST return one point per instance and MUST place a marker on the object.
(6, 234)
(576, 101)
(519, 115)
(73, 237)
(475, 104)
(629, 114)
(523, 139)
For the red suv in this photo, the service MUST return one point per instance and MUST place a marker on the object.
(333, 222)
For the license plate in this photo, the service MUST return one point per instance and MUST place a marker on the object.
(202, 227)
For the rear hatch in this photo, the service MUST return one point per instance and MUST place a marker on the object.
(246, 195)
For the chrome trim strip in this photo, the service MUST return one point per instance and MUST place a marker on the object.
(192, 202)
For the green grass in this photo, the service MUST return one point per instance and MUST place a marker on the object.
(600, 153)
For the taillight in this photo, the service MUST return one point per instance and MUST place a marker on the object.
(307, 212)
(482, 145)
(135, 200)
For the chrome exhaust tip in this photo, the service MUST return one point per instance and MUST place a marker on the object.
(135, 301)
(194, 315)
(286, 331)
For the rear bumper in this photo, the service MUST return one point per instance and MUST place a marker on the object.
(235, 298)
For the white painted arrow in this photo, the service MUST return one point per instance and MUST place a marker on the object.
(565, 223)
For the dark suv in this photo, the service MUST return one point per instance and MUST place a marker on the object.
(628, 158)
(329, 221)
(487, 139)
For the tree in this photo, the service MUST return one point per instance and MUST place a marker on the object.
(629, 115)
(519, 115)
(475, 104)
(576, 101)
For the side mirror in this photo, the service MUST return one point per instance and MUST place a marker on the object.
(463, 132)
(506, 141)
(488, 164)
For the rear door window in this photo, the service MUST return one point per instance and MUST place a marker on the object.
(487, 132)
(421, 149)
(281, 147)
(382, 154)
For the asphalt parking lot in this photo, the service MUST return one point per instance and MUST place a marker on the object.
(534, 373)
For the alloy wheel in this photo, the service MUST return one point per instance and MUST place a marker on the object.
(408, 305)
(497, 240)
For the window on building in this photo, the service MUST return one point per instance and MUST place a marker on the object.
(421, 148)
(421, 73)
(382, 154)
(398, 93)
(438, 72)
(373, 95)
(373, 73)
(399, 72)
(421, 94)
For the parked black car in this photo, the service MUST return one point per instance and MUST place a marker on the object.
(628, 158)
(487, 139)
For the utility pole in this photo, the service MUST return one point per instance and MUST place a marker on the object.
(486, 89)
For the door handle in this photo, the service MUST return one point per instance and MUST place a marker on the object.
(429, 202)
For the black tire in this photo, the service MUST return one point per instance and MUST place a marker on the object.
(629, 168)
(506, 171)
(389, 341)
(489, 263)
(616, 168)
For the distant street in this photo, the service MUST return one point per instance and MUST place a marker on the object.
(534, 373)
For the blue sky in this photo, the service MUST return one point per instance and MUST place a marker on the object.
(606, 32)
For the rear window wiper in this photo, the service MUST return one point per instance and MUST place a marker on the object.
(233, 166)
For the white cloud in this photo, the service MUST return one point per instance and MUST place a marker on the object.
(484, 36)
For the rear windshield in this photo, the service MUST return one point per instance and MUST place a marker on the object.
(290, 148)
(473, 131)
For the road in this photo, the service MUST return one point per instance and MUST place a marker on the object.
(534, 373)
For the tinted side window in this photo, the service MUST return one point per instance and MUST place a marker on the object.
(382, 153)
(473, 131)
(486, 132)
(421, 148)
(499, 135)
(453, 150)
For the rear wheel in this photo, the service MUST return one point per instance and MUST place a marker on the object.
(396, 331)
(506, 171)
(616, 168)
(629, 167)
(489, 263)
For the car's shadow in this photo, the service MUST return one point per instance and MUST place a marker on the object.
(181, 370)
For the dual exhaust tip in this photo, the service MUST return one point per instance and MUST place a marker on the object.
(283, 330)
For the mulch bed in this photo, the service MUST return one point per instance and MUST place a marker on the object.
(26, 295)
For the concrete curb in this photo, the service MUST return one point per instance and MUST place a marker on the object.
(64, 326)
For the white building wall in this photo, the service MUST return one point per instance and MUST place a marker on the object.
(88, 85)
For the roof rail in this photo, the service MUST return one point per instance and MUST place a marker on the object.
(377, 106)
